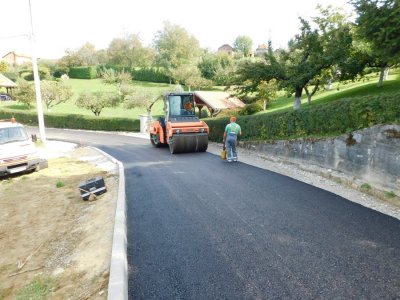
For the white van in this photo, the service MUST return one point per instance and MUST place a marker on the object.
(17, 151)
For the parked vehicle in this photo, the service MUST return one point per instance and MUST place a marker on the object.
(17, 151)
(5, 97)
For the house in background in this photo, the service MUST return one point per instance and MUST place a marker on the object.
(13, 58)
(227, 49)
(261, 50)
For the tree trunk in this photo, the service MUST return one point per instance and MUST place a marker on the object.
(381, 76)
(386, 73)
(297, 98)
(264, 104)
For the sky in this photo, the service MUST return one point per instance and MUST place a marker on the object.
(59, 25)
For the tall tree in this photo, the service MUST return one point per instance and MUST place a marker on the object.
(243, 44)
(129, 52)
(378, 24)
(317, 47)
(217, 67)
(175, 47)
(83, 56)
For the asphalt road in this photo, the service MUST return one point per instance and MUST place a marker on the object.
(200, 228)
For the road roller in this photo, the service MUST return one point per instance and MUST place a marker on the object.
(180, 129)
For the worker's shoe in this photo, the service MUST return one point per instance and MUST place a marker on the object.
(229, 160)
(235, 159)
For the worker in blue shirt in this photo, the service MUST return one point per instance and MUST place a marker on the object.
(232, 130)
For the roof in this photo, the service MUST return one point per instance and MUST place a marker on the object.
(18, 54)
(218, 100)
(7, 83)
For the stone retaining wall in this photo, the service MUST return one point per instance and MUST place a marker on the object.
(371, 154)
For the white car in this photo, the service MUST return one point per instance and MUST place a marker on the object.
(17, 151)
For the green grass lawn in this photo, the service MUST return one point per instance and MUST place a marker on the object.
(367, 86)
(94, 85)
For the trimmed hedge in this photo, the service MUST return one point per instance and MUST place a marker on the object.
(75, 121)
(157, 75)
(333, 118)
(89, 72)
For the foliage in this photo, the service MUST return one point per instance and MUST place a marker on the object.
(175, 47)
(55, 93)
(27, 74)
(88, 72)
(267, 91)
(3, 66)
(117, 79)
(60, 71)
(313, 50)
(326, 119)
(84, 56)
(190, 76)
(141, 98)
(97, 101)
(25, 92)
(218, 67)
(60, 184)
(378, 26)
(76, 121)
(39, 288)
(243, 44)
(251, 109)
(157, 75)
(128, 52)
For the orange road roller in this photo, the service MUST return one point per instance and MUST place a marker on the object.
(180, 128)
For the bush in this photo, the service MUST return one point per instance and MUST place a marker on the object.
(333, 118)
(251, 109)
(60, 72)
(75, 121)
(88, 72)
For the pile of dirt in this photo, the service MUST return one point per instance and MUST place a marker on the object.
(52, 243)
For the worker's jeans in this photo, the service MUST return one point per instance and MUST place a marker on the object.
(231, 142)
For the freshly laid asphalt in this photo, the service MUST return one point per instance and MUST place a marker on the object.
(201, 228)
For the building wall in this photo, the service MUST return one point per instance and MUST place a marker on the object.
(14, 59)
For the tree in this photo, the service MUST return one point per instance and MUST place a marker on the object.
(190, 76)
(243, 44)
(83, 56)
(217, 67)
(110, 76)
(378, 25)
(97, 101)
(129, 52)
(3, 66)
(55, 93)
(25, 93)
(316, 48)
(175, 47)
(266, 91)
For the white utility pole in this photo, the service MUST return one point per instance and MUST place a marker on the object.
(37, 82)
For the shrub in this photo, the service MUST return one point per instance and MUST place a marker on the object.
(251, 109)
(75, 121)
(326, 119)
(88, 72)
